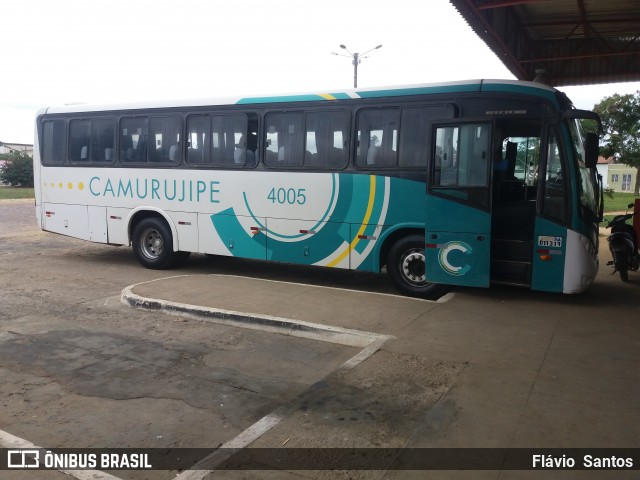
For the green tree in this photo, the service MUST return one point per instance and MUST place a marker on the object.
(621, 121)
(17, 171)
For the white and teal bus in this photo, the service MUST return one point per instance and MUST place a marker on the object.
(463, 183)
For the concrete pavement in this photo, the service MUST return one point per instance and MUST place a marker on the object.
(503, 367)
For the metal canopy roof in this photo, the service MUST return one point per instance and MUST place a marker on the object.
(568, 42)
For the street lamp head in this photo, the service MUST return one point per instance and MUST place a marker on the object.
(344, 47)
(379, 46)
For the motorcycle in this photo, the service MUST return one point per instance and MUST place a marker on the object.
(623, 244)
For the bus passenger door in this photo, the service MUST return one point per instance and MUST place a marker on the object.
(458, 214)
(551, 236)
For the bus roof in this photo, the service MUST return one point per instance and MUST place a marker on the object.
(463, 86)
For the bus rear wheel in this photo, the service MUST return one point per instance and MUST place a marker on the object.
(407, 268)
(153, 245)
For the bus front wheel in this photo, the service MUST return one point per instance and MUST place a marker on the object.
(407, 268)
(153, 245)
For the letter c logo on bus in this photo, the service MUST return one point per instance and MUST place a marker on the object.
(446, 250)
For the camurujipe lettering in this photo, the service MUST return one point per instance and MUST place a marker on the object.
(156, 189)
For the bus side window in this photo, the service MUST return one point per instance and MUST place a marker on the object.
(326, 140)
(414, 129)
(378, 137)
(198, 134)
(246, 140)
(461, 166)
(271, 145)
(53, 142)
(228, 132)
(134, 133)
(413, 137)
(103, 132)
(165, 135)
(252, 141)
(445, 159)
(79, 140)
(91, 140)
(284, 139)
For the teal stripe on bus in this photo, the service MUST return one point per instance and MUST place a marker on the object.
(473, 87)
(399, 92)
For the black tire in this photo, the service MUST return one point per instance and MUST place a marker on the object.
(153, 245)
(406, 267)
(624, 275)
(621, 263)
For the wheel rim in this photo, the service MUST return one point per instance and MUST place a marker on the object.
(412, 266)
(152, 243)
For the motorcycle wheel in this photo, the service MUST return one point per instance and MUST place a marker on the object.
(622, 265)
(624, 275)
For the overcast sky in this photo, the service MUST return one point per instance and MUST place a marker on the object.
(69, 51)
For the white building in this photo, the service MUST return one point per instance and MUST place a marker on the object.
(603, 169)
(6, 147)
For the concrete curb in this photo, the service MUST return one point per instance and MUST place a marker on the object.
(267, 323)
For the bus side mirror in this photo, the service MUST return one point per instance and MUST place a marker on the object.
(591, 150)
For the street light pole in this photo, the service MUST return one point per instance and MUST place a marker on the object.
(356, 58)
(355, 61)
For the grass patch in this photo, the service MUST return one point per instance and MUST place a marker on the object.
(15, 192)
(619, 202)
